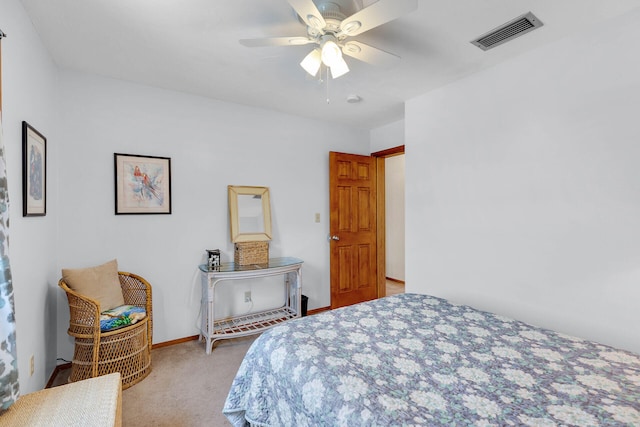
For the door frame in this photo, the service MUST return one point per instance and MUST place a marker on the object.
(381, 241)
(381, 279)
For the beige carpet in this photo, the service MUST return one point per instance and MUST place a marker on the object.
(186, 387)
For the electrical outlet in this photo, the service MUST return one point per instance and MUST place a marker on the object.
(32, 365)
(247, 296)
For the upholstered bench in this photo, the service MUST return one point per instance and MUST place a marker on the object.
(95, 402)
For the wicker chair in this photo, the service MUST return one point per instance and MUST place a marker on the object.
(126, 350)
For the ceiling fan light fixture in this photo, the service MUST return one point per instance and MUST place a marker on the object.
(339, 68)
(330, 22)
(311, 63)
(331, 53)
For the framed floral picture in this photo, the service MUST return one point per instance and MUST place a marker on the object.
(34, 172)
(143, 184)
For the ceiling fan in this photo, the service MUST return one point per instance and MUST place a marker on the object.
(330, 29)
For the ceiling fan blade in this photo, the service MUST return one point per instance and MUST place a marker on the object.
(377, 14)
(369, 54)
(276, 41)
(309, 13)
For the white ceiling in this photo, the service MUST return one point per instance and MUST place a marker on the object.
(192, 46)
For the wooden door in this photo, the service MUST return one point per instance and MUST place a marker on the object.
(352, 199)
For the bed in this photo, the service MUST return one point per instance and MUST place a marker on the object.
(414, 360)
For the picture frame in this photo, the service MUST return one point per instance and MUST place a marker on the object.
(249, 213)
(34, 172)
(142, 184)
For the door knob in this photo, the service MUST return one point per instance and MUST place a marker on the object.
(334, 237)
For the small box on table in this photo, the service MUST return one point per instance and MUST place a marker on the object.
(247, 253)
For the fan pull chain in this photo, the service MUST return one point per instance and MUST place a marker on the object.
(327, 79)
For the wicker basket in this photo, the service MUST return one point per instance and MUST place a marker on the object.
(251, 253)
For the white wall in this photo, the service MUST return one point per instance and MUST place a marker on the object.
(211, 145)
(523, 187)
(387, 136)
(29, 93)
(394, 216)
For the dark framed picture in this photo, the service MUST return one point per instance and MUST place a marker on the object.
(143, 184)
(34, 172)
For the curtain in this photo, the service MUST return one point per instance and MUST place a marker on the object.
(9, 388)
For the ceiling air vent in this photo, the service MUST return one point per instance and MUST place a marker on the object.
(509, 31)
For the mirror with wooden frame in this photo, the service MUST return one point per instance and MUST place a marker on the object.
(249, 213)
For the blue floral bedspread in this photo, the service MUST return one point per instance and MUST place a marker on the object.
(417, 360)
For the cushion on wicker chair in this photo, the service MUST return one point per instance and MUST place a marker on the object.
(100, 283)
(120, 317)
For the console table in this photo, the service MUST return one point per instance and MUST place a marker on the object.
(212, 329)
